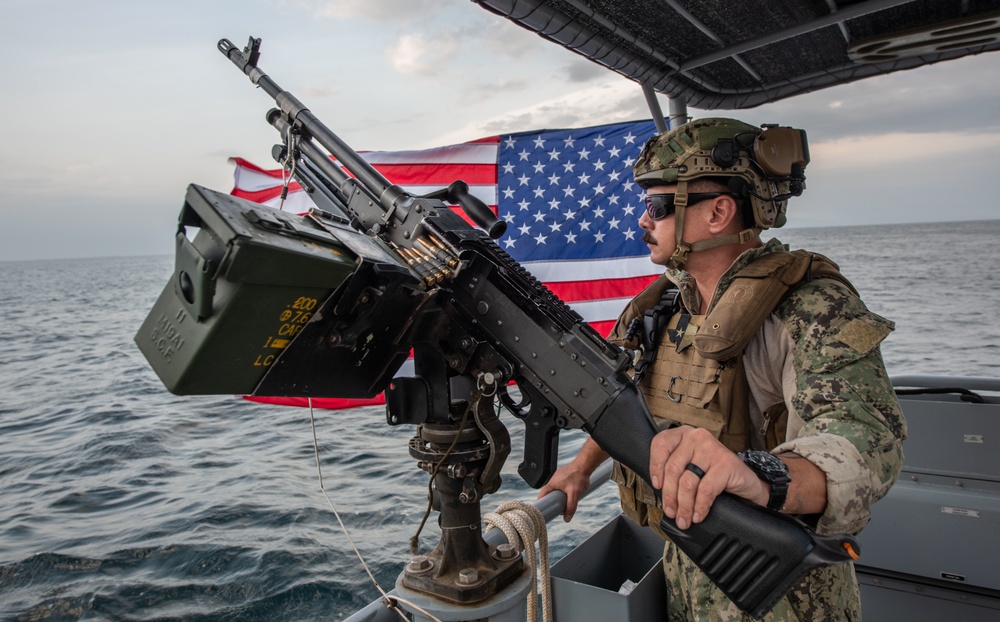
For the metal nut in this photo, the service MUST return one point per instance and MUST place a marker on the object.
(419, 564)
(505, 552)
(468, 576)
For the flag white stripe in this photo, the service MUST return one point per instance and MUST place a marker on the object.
(592, 269)
(249, 180)
(600, 310)
(473, 153)
(486, 194)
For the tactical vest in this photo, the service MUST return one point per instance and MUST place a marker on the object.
(697, 375)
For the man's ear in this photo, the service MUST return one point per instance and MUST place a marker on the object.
(723, 212)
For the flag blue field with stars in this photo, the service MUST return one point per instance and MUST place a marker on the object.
(569, 194)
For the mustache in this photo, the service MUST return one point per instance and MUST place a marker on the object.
(648, 239)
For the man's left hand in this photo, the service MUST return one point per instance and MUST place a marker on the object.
(688, 495)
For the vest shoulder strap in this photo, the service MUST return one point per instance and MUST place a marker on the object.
(755, 292)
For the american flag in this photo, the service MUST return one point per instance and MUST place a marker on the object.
(567, 195)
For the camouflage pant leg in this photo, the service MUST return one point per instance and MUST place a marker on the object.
(830, 594)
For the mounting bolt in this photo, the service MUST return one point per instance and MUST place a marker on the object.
(468, 576)
(419, 564)
(505, 552)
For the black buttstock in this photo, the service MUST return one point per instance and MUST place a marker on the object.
(753, 554)
(756, 555)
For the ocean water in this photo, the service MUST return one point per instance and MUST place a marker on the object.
(121, 501)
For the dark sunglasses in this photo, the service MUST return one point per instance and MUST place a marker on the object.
(659, 206)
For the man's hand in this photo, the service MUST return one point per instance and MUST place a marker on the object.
(574, 478)
(687, 496)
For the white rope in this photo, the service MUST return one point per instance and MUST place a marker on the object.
(291, 141)
(389, 601)
(523, 523)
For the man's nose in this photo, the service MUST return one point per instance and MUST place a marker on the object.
(645, 222)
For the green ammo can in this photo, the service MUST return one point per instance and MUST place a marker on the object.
(243, 287)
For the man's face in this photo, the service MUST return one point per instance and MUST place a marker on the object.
(658, 221)
(659, 234)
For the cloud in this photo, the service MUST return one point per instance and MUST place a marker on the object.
(420, 55)
(610, 101)
(501, 37)
(316, 91)
(953, 96)
(384, 11)
(584, 71)
(924, 151)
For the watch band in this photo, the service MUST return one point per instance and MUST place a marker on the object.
(772, 470)
(779, 493)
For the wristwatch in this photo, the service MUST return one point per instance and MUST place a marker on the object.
(772, 470)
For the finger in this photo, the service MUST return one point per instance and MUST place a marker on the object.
(673, 478)
(710, 487)
(687, 493)
(571, 503)
(660, 451)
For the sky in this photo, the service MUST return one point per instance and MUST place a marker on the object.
(111, 108)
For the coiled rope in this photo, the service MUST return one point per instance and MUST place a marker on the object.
(523, 524)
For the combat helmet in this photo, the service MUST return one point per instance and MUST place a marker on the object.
(763, 165)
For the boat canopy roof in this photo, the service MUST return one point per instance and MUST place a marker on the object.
(732, 54)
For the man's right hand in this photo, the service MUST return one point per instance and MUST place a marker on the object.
(574, 478)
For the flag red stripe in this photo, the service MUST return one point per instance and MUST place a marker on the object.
(332, 403)
(441, 174)
(573, 291)
(603, 328)
(263, 196)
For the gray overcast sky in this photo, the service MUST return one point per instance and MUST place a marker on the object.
(111, 107)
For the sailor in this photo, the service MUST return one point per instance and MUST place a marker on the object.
(760, 365)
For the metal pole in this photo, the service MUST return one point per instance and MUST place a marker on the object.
(678, 111)
(654, 108)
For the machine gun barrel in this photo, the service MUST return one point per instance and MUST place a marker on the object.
(300, 118)
(297, 112)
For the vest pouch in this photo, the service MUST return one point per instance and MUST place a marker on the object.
(685, 390)
(638, 499)
(631, 506)
(754, 293)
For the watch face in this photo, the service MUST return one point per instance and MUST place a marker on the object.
(765, 463)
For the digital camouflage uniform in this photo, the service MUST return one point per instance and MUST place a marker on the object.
(819, 353)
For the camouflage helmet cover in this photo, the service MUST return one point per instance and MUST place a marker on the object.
(771, 161)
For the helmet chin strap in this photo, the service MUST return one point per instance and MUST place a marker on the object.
(683, 249)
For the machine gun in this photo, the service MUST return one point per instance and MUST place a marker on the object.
(331, 304)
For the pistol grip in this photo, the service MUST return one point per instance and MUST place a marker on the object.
(541, 447)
